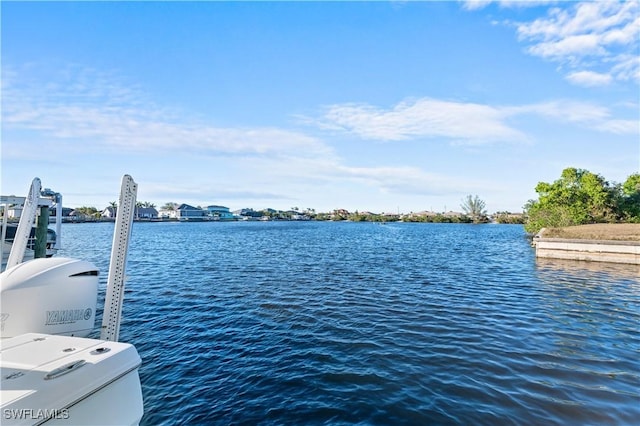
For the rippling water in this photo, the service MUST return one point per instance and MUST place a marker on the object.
(359, 323)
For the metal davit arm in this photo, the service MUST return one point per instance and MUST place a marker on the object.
(116, 279)
(24, 226)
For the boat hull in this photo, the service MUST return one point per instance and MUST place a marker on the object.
(64, 380)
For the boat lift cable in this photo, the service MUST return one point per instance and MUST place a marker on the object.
(116, 279)
(27, 218)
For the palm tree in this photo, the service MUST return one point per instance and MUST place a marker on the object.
(474, 207)
(170, 206)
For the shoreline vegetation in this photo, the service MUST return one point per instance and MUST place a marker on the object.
(579, 205)
(583, 206)
(580, 197)
(341, 216)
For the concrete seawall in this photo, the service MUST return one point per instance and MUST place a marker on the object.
(589, 250)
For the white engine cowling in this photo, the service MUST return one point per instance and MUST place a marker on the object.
(55, 295)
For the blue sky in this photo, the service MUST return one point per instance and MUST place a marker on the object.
(378, 106)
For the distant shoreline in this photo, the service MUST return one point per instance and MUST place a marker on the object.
(598, 231)
(108, 220)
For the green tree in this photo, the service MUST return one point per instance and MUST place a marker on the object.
(88, 211)
(632, 184)
(145, 204)
(578, 197)
(508, 218)
(629, 201)
(170, 206)
(543, 215)
(474, 207)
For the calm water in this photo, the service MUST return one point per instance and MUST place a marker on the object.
(359, 323)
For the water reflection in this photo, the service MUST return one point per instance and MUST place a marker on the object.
(592, 314)
(549, 268)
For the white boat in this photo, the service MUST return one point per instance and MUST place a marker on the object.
(51, 373)
(11, 228)
(27, 206)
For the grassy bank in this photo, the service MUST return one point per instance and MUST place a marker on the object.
(599, 231)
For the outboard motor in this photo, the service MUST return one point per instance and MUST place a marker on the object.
(54, 295)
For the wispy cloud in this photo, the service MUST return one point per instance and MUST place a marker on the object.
(81, 104)
(409, 180)
(197, 193)
(90, 111)
(589, 78)
(585, 114)
(423, 118)
(475, 4)
(463, 123)
(383, 178)
(596, 41)
(480, 4)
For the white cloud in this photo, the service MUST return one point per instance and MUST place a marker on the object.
(480, 4)
(83, 105)
(79, 112)
(280, 164)
(582, 44)
(619, 126)
(589, 78)
(410, 180)
(590, 38)
(582, 113)
(396, 179)
(463, 123)
(605, 18)
(475, 4)
(627, 67)
(564, 110)
(427, 118)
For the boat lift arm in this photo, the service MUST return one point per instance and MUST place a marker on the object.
(116, 279)
(24, 226)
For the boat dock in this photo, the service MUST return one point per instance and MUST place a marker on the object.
(613, 251)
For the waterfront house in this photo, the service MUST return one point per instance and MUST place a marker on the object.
(219, 213)
(146, 213)
(248, 214)
(452, 214)
(168, 214)
(65, 214)
(109, 213)
(186, 212)
(390, 216)
(425, 213)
